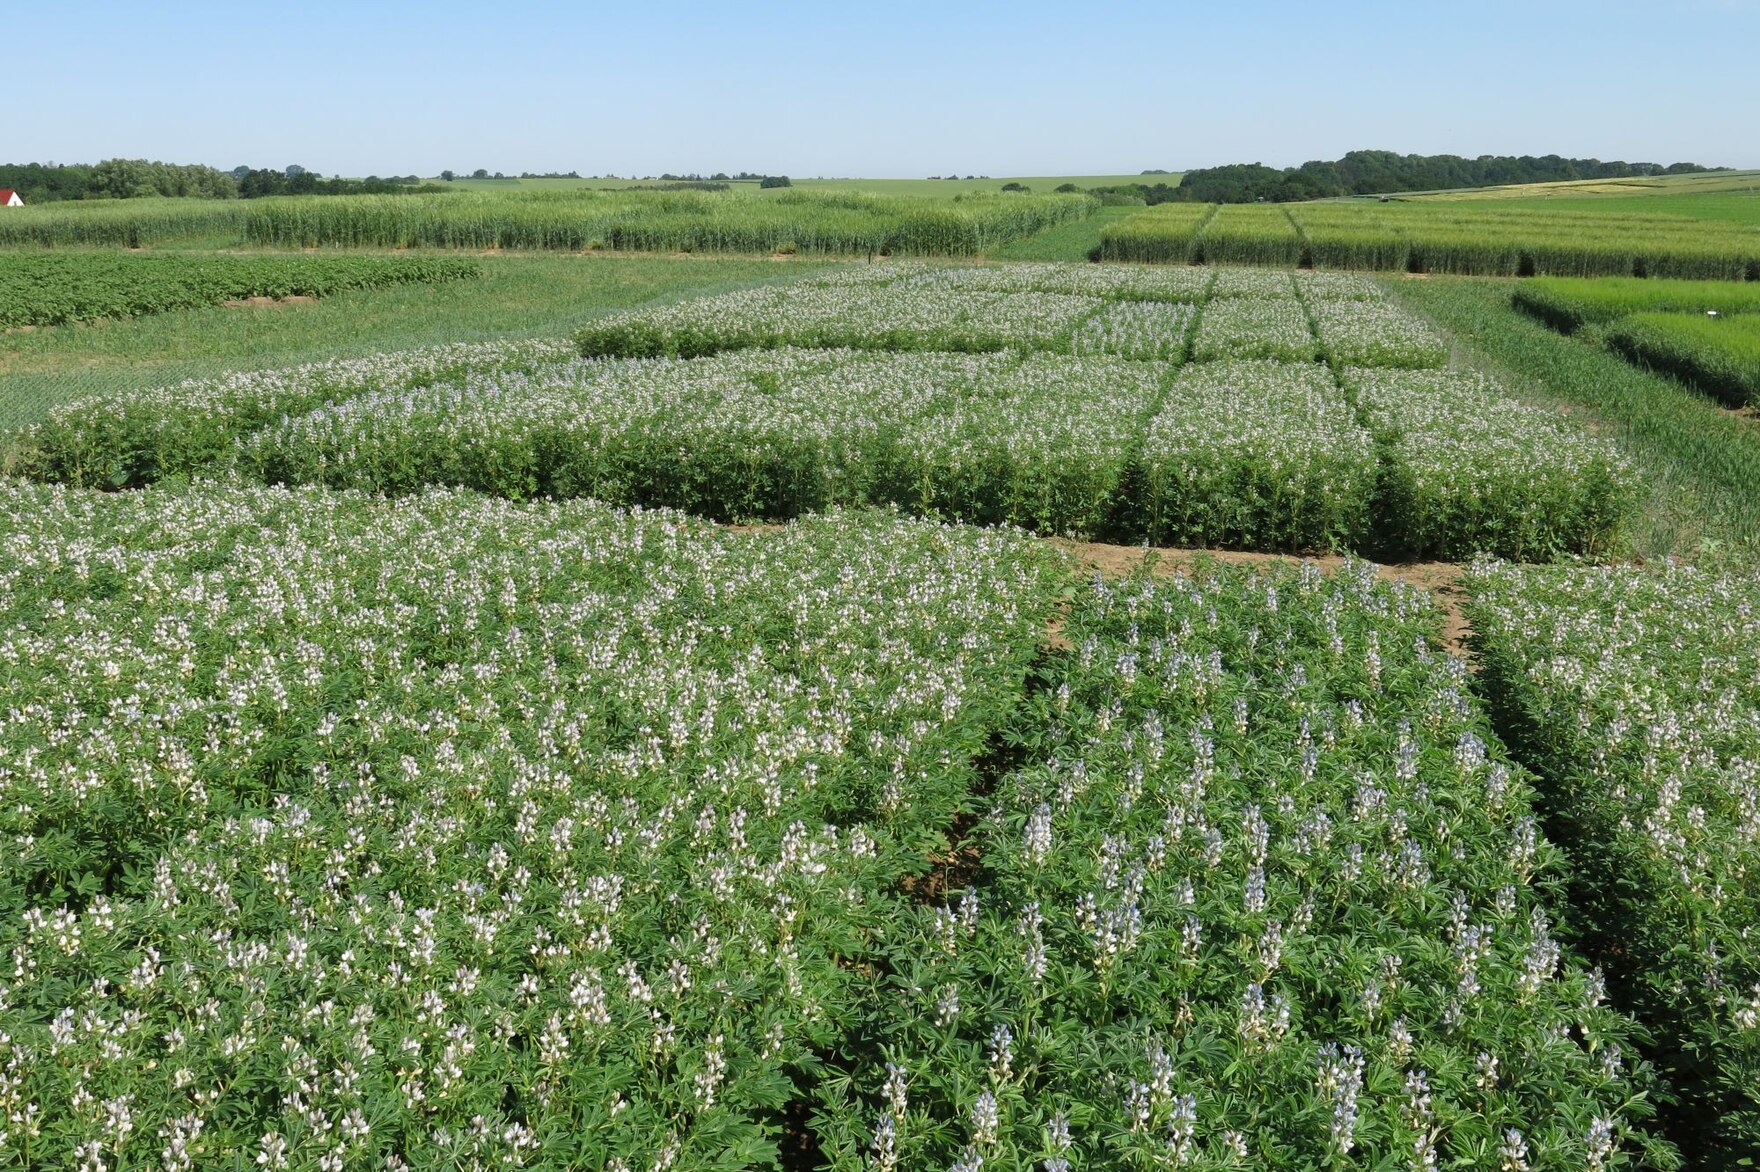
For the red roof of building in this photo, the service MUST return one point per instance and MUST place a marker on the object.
(5, 195)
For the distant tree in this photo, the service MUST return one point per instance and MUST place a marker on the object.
(294, 171)
(1065, 188)
(141, 178)
(499, 175)
(480, 173)
(719, 177)
(1016, 187)
(775, 181)
(238, 173)
(447, 175)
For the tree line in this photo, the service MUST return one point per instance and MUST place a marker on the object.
(1378, 172)
(151, 179)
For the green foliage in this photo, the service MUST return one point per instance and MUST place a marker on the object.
(1568, 305)
(1465, 469)
(559, 835)
(1720, 356)
(1635, 692)
(141, 178)
(43, 290)
(1242, 906)
(574, 219)
(1703, 464)
(647, 221)
(1374, 172)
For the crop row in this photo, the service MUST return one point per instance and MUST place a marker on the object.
(451, 831)
(43, 290)
(1266, 895)
(1470, 238)
(1636, 693)
(796, 221)
(139, 437)
(1243, 453)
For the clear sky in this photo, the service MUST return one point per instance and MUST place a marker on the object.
(905, 88)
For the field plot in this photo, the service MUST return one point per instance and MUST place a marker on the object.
(902, 384)
(1704, 333)
(451, 829)
(1486, 238)
(1719, 356)
(1636, 692)
(1467, 469)
(47, 290)
(828, 222)
(139, 438)
(1258, 454)
(1569, 305)
(1267, 896)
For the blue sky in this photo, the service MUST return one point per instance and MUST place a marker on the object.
(906, 88)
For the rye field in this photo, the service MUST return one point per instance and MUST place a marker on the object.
(746, 706)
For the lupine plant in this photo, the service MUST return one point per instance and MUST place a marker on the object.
(454, 832)
(1261, 454)
(138, 437)
(1267, 895)
(1467, 469)
(1636, 693)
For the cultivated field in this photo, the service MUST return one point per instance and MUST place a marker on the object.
(1485, 238)
(623, 712)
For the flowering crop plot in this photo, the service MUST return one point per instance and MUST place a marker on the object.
(1145, 330)
(454, 832)
(1359, 333)
(1636, 691)
(1335, 287)
(1465, 468)
(909, 384)
(1254, 283)
(1267, 896)
(1050, 446)
(138, 437)
(1257, 327)
(1123, 282)
(1262, 454)
(890, 317)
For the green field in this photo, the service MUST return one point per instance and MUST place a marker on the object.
(829, 222)
(1478, 238)
(621, 711)
(1645, 188)
(1569, 305)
